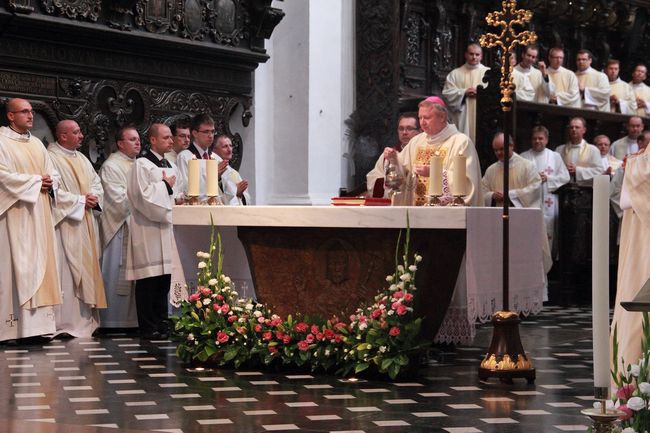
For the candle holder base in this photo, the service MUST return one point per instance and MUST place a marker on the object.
(214, 201)
(604, 422)
(458, 201)
(434, 200)
(193, 200)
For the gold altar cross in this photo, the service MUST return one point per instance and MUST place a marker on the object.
(11, 320)
(507, 40)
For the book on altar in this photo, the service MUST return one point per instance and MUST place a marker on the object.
(359, 201)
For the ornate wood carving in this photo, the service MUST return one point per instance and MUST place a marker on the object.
(74, 9)
(20, 6)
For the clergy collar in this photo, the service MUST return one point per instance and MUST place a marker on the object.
(15, 135)
(443, 135)
(64, 150)
(468, 66)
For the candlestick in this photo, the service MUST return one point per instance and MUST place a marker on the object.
(435, 175)
(459, 177)
(600, 280)
(211, 178)
(193, 177)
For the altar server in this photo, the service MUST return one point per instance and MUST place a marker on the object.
(595, 90)
(29, 278)
(564, 89)
(79, 201)
(235, 189)
(622, 99)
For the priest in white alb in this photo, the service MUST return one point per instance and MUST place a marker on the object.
(564, 89)
(442, 138)
(531, 84)
(628, 145)
(29, 277)
(151, 244)
(595, 90)
(235, 189)
(79, 201)
(622, 100)
(610, 163)
(582, 159)
(460, 90)
(114, 232)
(641, 89)
(553, 174)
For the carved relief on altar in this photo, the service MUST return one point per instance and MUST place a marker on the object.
(74, 9)
(20, 6)
(228, 21)
(157, 16)
(192, 20)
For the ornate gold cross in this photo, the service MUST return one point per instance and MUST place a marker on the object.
(509, 17)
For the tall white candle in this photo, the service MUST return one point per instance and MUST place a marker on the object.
(459, 178)
(435, 175)
(193, 177)
(600, 280)
(211, 178)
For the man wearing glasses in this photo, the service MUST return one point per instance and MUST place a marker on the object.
(29, 280)
(203, 131)
(408, 127)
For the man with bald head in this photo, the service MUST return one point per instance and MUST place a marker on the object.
(151, 239)
(79, 202)
(628, 144)
(29, 278)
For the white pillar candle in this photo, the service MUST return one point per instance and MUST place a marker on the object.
(435, 175)
(459, 178)
(193, 177)
(211, 178)
(600, 280)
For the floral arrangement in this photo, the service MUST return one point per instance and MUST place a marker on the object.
(633, 383)
(218, 327)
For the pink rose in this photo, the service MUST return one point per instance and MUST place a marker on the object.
(309, 338)
(338, 338)
(319, 336)
(394, 331)
(408, 297)
(216, 307)
(231, 319)
(398, 295)
(219, 298)
(275, 322)
(194, 297)
(301, 327)
(627, 410)
(273, 349)
(286, 339)
(329, 334)
(222, 337)
(401, 310)
(279, 335)
(205, 291)
(303, 346)
(225, 308)
(267, 335)
(376, 313)
(314, 329)
(258, 327)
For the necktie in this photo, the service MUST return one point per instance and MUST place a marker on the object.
(205, 155)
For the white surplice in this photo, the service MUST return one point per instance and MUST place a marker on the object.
(642, 91)
(625, 95)
(597, 89)
(523, 181)
(29, 279)
(564, 87)
(463, 110)
(623, 147)
(610, 162)
(121, 311)
(183, 159)
(229, 180)
(586, 158)
(530, 84)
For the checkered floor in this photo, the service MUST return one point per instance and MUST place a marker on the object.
(122, 383)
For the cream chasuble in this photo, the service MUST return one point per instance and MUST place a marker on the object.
(563, 85)
(524, 182)
(642, 91)
(634, 256)
(449, 143)
(625, 95)
(229, 180)
(623, 147)
(597, 89)
(463, 110)
(585, 157)
(530, 85)
(78, 228)
(29, 276)
(113, 175)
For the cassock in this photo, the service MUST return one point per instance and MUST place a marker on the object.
(642, 91)
(524, 183)
(634, 256)
(623, 147)
(564, 86)
(448, 143)
(585, 157)
(462, 109)
(610, 162)
(597, 89)
(183, 158)
(551, 164)
(77, 235)
(530, 84)
(29, 277)
(229, 180)
(625, 95)
(114, 230)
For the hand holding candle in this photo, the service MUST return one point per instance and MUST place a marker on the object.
(459, 178)
(193, 177)
(435, 175)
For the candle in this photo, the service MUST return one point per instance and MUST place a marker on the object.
(193, 177)
(435, 175)
(459, 178)
(600, 280)
(211, 178)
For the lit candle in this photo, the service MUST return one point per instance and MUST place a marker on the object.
(435, 174)
(211, 178)
(600, 280)
(193, 177)
(459, 178)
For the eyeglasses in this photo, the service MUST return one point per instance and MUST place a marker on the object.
(26, 111)
(207, 131)
(407, 129)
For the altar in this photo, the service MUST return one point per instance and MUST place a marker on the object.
(328, 260)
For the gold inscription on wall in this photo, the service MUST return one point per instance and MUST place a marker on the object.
(27, 83)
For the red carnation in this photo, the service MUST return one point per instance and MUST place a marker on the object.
(267, 335)
(303, 345)
(194, 297)
(286, 339)
(258, 327)
(231, 319)
(309, 338)
(301, 327)
(222, 337)
(314, 329)
(225, 308)
(394, 331)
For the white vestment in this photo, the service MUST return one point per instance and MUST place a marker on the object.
(463, 110)
(551, 164)
(585, 157)
(151, 237)
(77, 234)
(610, 162)
(530, 84)
(625, 95)
(121, 311)
(29, 279)
(623, 147)
(229, 180)
(597, 89)
(181, 182)
(523, 181)
(564, 87)
(642, 91)
(172, 157)
(449, 143)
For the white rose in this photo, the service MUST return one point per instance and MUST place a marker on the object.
(257, 313)
(202, 265)
(635, 370)
(206, 255)
(226, 279)
(644, 387)
(249, 306)
(190, 337)
(382, 349)
(235, 293)
(389, 278)
(405, 277)
(636, 403)
(206, 301)
(212, 282)
(413, 268)
(418, 258)
(628, 430)
(392, 287)
(363, 325)
(391, 312)
(400, 268)
(199, 254)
